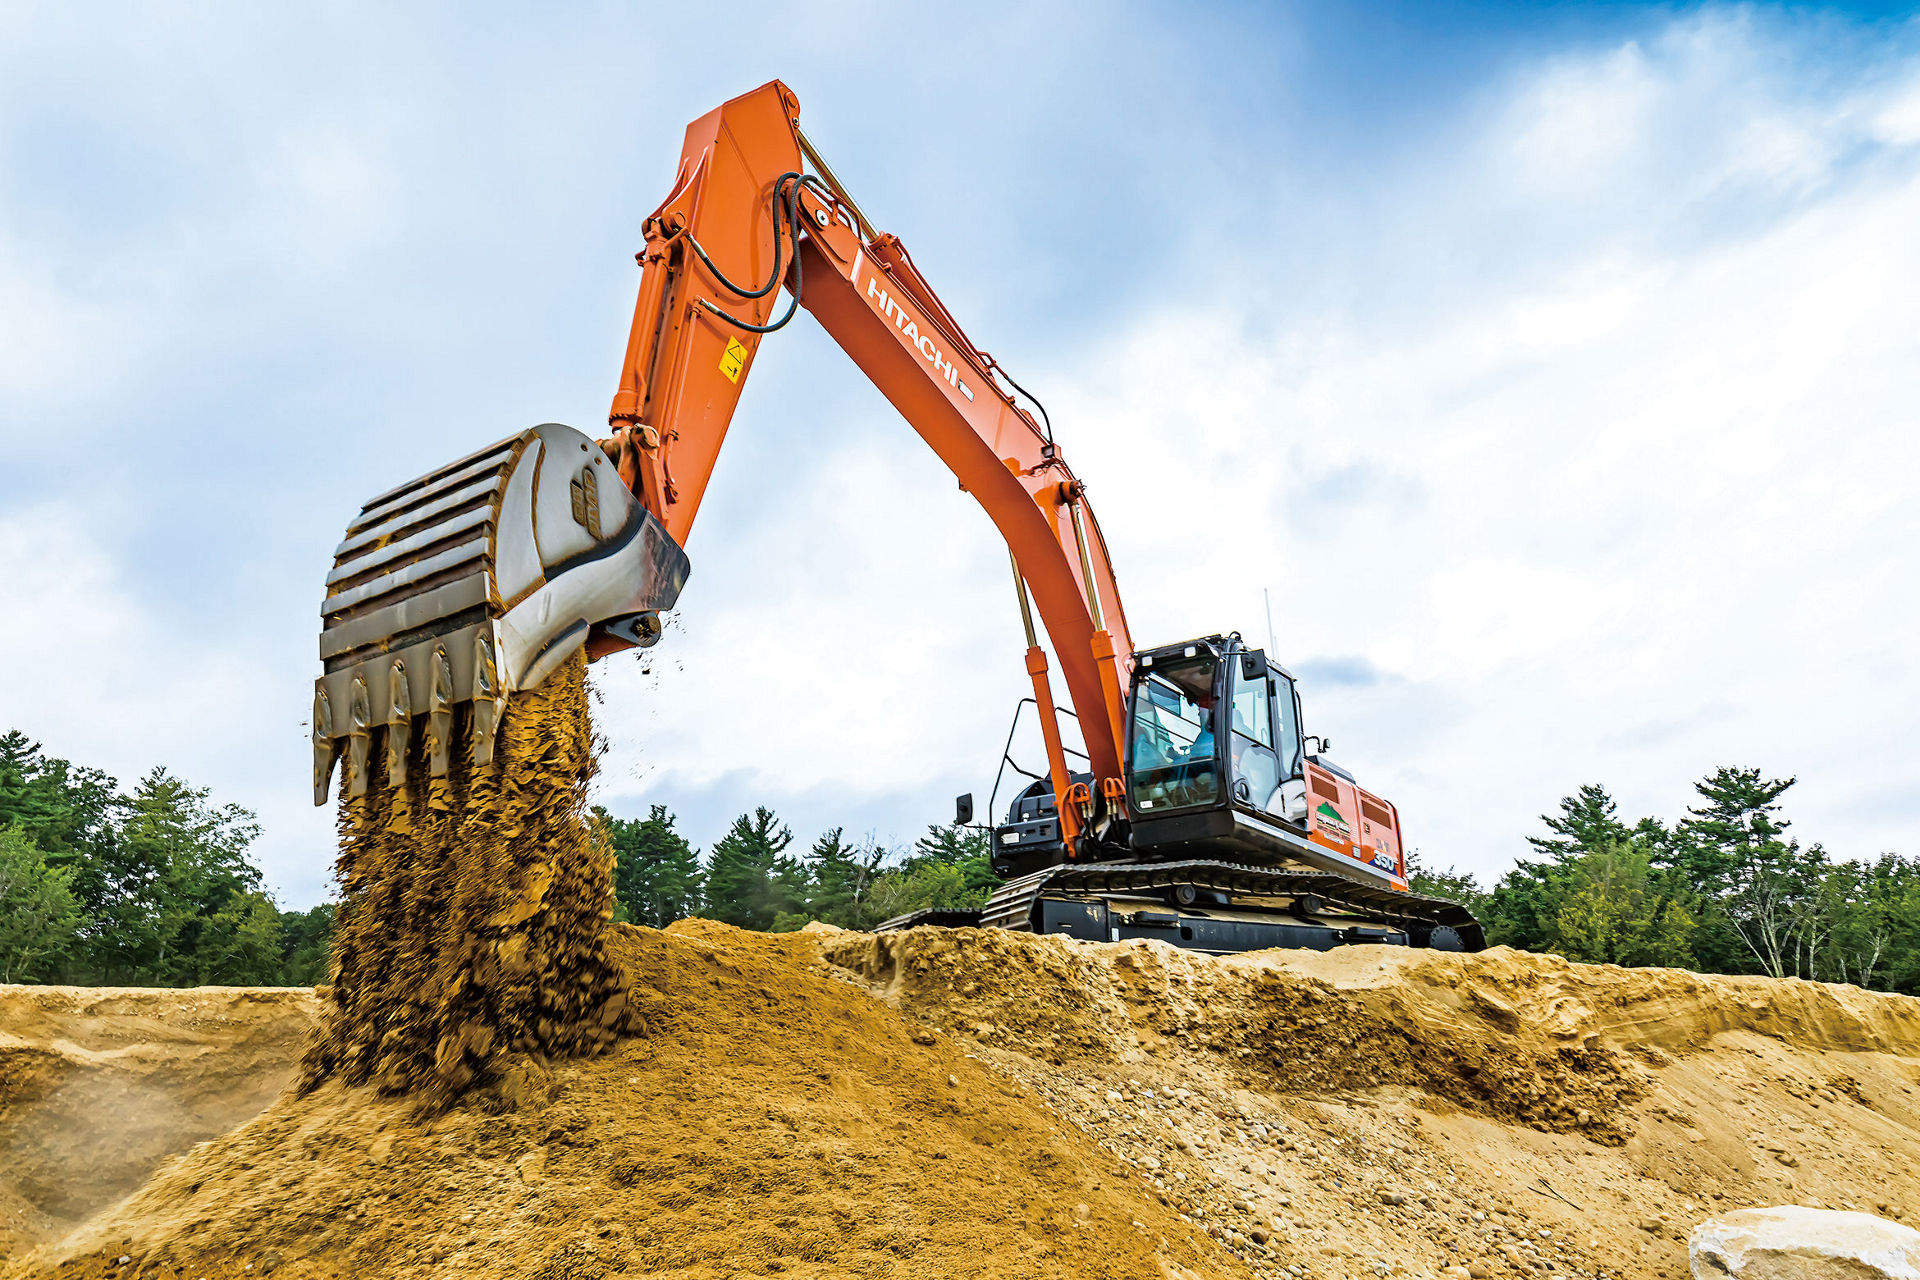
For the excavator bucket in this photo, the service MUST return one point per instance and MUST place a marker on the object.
(473, 582)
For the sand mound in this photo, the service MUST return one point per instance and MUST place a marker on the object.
(1510, 1035)
(765, 1117)
(473, 911)
(97, 1086)
(1375, 1111)
(1018, 1106)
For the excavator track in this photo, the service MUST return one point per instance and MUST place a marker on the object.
(1014, 905)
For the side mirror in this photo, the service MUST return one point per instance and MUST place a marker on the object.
(963, 810)
(1253, 665)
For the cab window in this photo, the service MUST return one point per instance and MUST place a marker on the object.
(1171, 751)
(1287, 716)
(1251, 718)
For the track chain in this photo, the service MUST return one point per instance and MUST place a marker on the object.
(1011, 906)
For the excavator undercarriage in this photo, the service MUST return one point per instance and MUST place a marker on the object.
(1206, 905)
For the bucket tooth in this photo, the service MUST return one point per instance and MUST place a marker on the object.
(489, 699)
(359, 738)
(439, 713)
(399, 725)
(325, 750)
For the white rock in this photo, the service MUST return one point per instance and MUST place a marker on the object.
(1791, 1242)
(532, 1165)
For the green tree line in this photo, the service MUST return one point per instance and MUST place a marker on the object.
(153, 888)
(99, 886)
(754, 877)
(1725, 889)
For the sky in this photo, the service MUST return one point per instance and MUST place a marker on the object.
(1553, 370)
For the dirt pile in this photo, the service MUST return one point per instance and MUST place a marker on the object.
(976, 1103)
(474, 910)
(1356, 1019)
(1518, 1037)
(1382, 1111)
(99, 1085)
(765, 1117)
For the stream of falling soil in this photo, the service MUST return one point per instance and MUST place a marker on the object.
(474, 911)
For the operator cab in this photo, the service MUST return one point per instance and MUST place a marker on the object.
(1216, 768)
(1216, 762)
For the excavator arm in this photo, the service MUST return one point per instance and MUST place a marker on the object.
(476, 580)
(745, 217)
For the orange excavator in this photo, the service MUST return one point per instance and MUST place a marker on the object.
(1195, 814)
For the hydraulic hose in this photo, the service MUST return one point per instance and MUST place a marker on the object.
(791, 182)
(773, 279)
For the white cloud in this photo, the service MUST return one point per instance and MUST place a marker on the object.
(52, 335)
(1897, 122)
(1621, 516)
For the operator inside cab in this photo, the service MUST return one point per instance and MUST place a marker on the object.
(1173, 742)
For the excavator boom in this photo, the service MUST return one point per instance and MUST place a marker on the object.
(744, 217)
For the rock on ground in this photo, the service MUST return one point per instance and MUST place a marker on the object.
(1793, 1242)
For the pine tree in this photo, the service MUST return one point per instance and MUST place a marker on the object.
(1448, 883)
(239, 945)
(1524, 907)
(950, 866)
(843, 874)
(966, 849)
(1760, 886)
(1738, 820)
(178, 862)
(748, 881)
(656, 873)
(306, 944)
(1617, 909)
(1587, 824)
(69, 812)
(1520, 910)
(1883, 940)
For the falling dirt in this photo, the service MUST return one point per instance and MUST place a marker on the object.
(475, 908)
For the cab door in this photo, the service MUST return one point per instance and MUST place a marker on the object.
(1257, 771)
(1286, 724)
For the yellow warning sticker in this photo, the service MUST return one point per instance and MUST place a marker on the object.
(733, 359)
